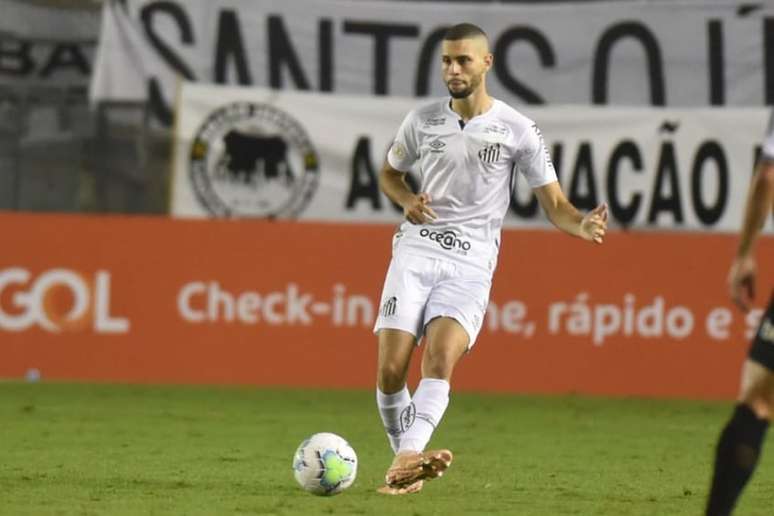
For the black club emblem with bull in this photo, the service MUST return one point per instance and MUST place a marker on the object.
(255, 159)
(252, 160)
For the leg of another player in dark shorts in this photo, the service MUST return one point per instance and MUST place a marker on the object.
(739, 445)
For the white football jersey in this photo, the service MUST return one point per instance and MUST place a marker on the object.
(467, 169)
(768, 142)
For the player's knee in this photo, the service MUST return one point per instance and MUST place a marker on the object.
(760, 401)
(758, 389)
(391, 377)
(438, 363)
(760, 406)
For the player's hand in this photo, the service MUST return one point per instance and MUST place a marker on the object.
(417, 209)
(594, 224)
(741, 282)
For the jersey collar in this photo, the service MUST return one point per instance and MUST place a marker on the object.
(485, 114)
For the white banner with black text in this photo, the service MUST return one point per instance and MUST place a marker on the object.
(257, 152)
(46, 46)
(681, 53)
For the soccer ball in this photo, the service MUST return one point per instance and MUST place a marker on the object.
(325, 464)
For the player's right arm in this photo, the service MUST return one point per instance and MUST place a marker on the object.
(759, 206)
(416, 207)
(401, 157)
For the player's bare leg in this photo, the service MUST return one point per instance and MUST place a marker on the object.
(445, 343)
(392, 396)
(757, 389)
(395, 349)
(394, 357)
(740, 443)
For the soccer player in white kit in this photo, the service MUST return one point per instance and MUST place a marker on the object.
(739, 445)
(466, 149)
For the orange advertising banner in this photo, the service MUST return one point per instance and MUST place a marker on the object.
(144, 299)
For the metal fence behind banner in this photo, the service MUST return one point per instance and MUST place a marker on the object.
(130, 161)
(56, 154)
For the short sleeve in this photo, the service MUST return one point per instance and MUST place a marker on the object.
(403, 151)
(533, 159)
(768, 142)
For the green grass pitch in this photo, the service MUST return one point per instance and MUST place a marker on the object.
(115, 450)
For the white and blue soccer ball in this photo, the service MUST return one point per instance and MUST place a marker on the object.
(325, 464)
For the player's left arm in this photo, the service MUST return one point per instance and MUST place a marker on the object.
(562, 214)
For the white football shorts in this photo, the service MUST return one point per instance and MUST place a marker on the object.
(418, 289)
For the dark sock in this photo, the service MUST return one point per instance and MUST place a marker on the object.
(735, 459)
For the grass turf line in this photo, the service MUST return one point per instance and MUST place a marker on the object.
(115, 450)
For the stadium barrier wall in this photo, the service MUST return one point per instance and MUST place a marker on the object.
(156, 300)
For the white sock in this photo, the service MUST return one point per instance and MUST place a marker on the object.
(390, 408)
(430, 401)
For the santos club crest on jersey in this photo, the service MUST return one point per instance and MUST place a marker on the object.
(490, 153)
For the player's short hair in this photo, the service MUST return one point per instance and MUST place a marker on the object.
(464, 31)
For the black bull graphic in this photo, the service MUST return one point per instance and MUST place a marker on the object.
(245, 152)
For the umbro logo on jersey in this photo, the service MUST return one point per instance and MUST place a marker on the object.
(437, 145)
(389, 306)
(490, 153)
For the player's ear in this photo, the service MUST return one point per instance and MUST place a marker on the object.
(488, 60)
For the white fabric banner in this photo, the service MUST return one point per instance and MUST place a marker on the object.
(256, 152)
(682, 53)
(46, 46)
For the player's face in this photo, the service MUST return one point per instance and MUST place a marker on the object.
(464, 63)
